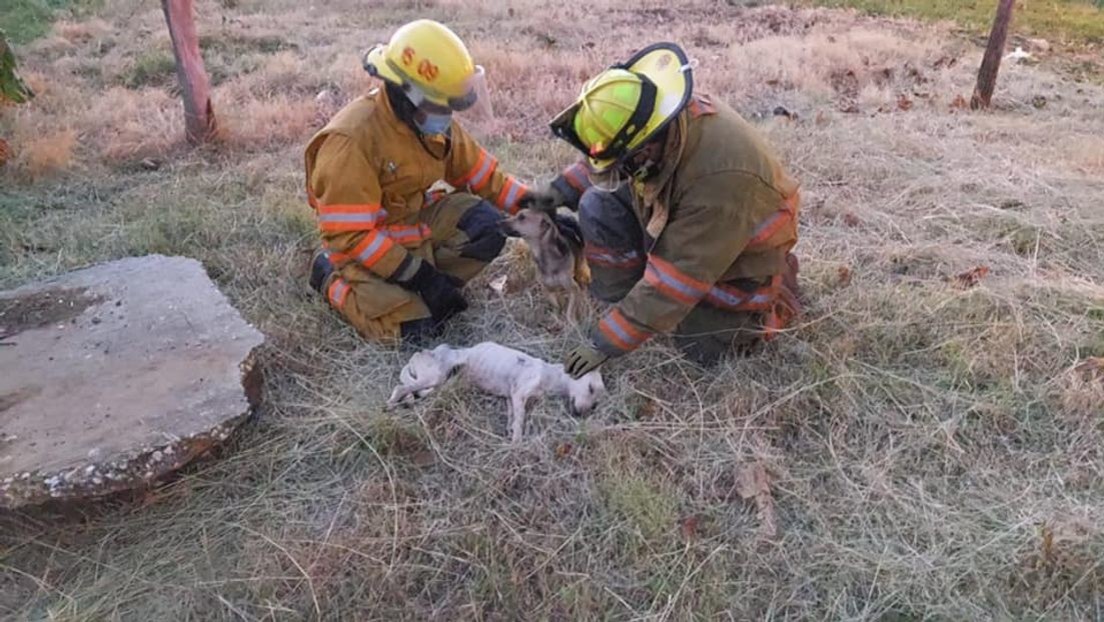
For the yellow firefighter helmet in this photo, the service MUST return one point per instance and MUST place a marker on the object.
(622, 108)
(430, 62)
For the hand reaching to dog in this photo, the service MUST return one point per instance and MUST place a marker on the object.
(583, 360)
(545, 200)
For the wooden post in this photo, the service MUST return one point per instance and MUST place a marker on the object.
(990, 63)
(199, 115)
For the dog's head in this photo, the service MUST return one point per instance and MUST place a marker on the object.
(527, 224)
(585, 392)
(423, 367)
(423, 370)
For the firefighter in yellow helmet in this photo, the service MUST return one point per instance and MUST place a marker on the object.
(687, 216)
(394, 255)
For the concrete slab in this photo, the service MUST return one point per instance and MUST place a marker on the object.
(115, 375)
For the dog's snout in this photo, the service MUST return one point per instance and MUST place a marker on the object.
(507, 228)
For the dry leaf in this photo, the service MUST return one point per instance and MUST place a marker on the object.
(844, 274)
(498, 284)
(688, 526)
(752, 480)
(970, 278)
(753, 483)
(423, 458)
(946, 62)
(563, 449)
(782, 111)
(1092, 365)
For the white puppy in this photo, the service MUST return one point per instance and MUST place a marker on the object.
(501, 371)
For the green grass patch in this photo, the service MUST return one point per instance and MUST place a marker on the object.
(1070, 21)
(27, 20)
(647, 508)
(151, 68)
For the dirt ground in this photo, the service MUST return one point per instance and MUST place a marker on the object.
(926, 444)
(41, 309)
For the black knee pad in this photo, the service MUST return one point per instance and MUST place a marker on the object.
(608, 220)
(485, 240)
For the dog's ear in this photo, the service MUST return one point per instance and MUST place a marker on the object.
(569, 229)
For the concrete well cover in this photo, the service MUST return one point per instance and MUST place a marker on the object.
(117, 374)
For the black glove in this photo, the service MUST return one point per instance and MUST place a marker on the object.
(440, 291)
(545, 200)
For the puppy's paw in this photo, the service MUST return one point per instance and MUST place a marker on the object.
(398, 396)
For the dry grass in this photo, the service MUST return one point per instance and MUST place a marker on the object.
(48, 154)
(928, 450)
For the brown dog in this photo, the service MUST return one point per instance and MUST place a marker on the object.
(557, 249)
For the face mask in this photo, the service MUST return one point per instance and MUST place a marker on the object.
(433, 123)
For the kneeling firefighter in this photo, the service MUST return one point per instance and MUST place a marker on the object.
(688, 218)
(394, 255)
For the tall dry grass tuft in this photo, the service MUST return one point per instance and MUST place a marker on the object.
(125, 125)
(1081, 391)
(256, 123)
(46, 154)
(861, 66)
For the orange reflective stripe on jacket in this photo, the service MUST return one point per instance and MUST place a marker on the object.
(673, 283)
(479, 175)
(339, 218)
(511, 193)
(577, 176)
(735, 299)
(619, 332)
(374, 245)
(338, 292)
(701, 105)
(784, 218)
(602, 256)
(407, 235)
(777, 303)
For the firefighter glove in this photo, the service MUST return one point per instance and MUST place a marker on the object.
(583, 360)
(440, 291)
(544, 200)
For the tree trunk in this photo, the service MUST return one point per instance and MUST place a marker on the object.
(990, 63)
(199, 115)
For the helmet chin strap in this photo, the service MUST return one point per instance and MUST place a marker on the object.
(651, 166)
(647, 170)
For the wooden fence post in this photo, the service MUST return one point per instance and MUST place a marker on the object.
(990, 63)
(199, 115)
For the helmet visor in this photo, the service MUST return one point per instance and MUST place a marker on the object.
(437, 103)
